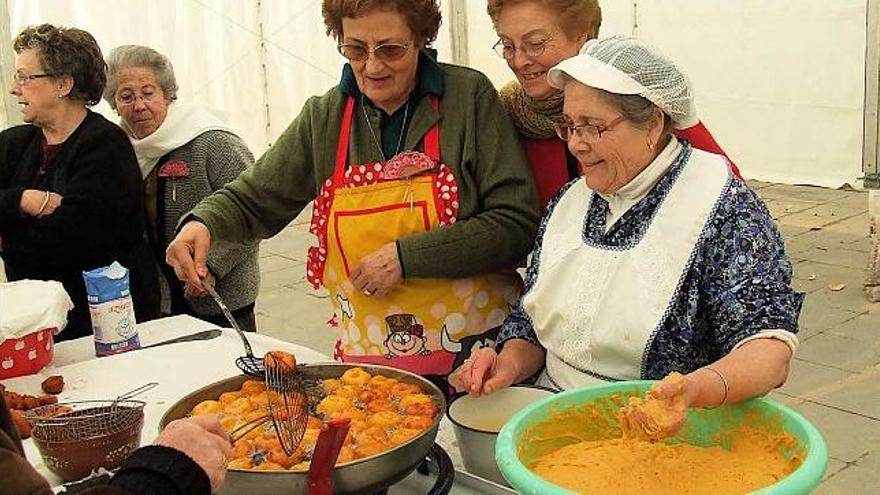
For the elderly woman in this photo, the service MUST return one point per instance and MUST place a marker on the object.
(423, 199)
(533, 36)
(185, 154)
(658, 260)
(71, 197)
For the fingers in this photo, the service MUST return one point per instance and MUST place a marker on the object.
(188, 253)
(201, 245)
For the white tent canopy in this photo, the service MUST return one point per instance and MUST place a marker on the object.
(780, 84)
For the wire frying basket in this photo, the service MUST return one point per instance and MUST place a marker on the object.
(86, 419)
(83, 420)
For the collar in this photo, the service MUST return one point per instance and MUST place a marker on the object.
(641, 185)
(429, 75)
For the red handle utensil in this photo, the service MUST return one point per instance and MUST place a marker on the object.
(330, 440)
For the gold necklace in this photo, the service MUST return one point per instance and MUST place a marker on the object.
(373, 133)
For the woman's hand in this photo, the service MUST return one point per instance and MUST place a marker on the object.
(659, 415)
(378, 273)
(484, 372)
(190, 291)
(32, 200)
(203, 440)
(188, 253)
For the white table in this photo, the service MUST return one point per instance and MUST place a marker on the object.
(178, 368)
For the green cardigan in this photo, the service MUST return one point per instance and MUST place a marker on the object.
(498, 207)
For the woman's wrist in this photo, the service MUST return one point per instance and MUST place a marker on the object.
(706, 387)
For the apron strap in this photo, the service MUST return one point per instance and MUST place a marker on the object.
(432, 138)
(342, 145)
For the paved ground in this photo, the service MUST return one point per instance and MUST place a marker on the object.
(835, 380)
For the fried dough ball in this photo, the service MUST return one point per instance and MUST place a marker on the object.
(382, 382)
(276, 357)
(355, 376)
(53, 384)
(370, 448)
(314, 422)
(401, 435)
(346, 454)
(331, 385)
(24, 428)
(250, 387)
(228, 397)
(384, 419)
(230, 423)
(418, 423)
(237, 407)
(334, 404)
(242, 448)
(378, 405)
(404, 389)
(207, 407)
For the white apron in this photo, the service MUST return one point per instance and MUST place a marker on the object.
(596, 309)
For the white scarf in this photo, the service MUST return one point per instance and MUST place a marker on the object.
(182, 124)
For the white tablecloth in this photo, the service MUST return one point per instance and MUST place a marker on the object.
(178, 368)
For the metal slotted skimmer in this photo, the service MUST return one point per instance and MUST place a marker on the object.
(82, 420)
(249, 364)
(290, 394)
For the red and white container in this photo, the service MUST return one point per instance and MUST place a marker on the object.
(33, 311)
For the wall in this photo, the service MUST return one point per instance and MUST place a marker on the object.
(780, 84)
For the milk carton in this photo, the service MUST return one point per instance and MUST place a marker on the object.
(111, 309)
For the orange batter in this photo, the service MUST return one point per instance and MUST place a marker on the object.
(599, 448)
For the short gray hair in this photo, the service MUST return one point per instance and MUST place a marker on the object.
(636, 109)
(127, 56)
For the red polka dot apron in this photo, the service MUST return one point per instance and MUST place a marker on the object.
(427, 326)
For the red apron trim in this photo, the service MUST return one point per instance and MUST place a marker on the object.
(422, 205)
(445, 188)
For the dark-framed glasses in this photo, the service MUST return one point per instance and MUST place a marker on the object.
(387, 52)
(20, 78)
(533, 48)
(587, 132)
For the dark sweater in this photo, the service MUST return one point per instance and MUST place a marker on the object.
(149, 470)
(100, 219)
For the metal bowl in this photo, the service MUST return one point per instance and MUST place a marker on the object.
(363, 476)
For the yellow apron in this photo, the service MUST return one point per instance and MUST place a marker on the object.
(427, 326)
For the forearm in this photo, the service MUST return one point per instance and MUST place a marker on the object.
(487, 243)
(527, 357)
(750, 370)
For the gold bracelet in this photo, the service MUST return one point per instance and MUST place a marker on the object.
(43, 207)
(724, 381)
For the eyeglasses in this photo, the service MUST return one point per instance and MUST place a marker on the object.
(387, 52)
(21, 78)
(129, 98)
(507, 50)
(587, 132)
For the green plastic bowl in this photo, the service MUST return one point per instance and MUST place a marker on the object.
(701, 426)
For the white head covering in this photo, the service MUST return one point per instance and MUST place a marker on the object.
(626, 65)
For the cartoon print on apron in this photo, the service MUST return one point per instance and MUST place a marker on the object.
(426, 326)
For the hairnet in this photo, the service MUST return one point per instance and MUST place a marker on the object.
(626, 65)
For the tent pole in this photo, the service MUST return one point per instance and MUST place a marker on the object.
(458, 32)
(9, 114)
(871, 152)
